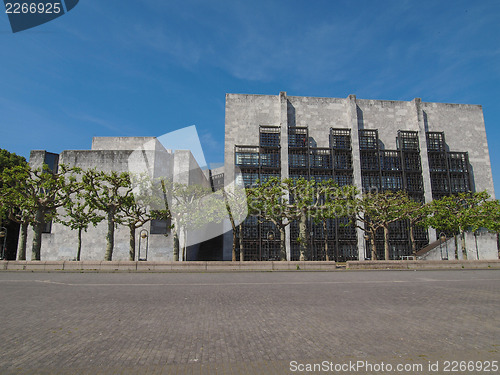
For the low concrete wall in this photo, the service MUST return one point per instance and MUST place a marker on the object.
(422, 264)
(126, 266)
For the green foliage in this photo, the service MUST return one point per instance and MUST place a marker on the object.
(10, 160)
(34, 195)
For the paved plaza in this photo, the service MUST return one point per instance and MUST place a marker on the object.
(245, 323)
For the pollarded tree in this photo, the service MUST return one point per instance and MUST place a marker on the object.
(459, 213)
(236, 209)
(191, 207)
(107, 192)
(146, 203)
(78, 215)
(416, 213)
(39, 193)
(269, 202)
(13, 207)
(377, 211)
(334, 202)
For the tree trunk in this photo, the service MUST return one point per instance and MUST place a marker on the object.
(325, 235)
(110, 237)
(184, 242)
(373, 245)
(79, 252)
(233, 254)
(131, 250)
(240, 240)
(176, 246)
(386, 243)
(464, 249)
(456, 246)
(282, 243)
(23, 236)
(303, 236)
(37, 236)
(413, 243)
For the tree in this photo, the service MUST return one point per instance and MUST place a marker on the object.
(236, 208)
(108, 192)
(416, 213)
(191, 207)
(461, 212)
(39, 193)
(140, 207)
(377, 211)
(10, 216)
(334, 202)
(269, 202)
(78, 215)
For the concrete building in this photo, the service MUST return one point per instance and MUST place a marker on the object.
(427, 149)
(123, 154)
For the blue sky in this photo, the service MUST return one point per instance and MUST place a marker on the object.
(147, 67)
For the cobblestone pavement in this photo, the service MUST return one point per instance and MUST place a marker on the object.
(244, 323)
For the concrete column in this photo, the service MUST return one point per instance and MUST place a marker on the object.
(419, 125)
(352, 118)
(283, 101)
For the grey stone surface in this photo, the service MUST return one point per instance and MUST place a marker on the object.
(244, 323)
(119, 154)
(463, 125)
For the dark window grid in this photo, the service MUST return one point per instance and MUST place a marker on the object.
(370, 161)
(218, 181)
(247, 159)
(435, 141)
(340, 139)
(321, 175)
(249, 177)
(408, 140)
(296, 174)
(320, 158)
(440, 183)
(392, 181)
(252, 250)
(370, 181)
(298, 140)
(270, 159)
(297, 159)
(399, 230)
(458, 161)
(343, 179)
(342, 160)
(269, 138)
(411, 161)
(459, 182)
(298, 137)
(368, 139)
(390, 161)
(438, 162)
(267, 174)
(414, 182)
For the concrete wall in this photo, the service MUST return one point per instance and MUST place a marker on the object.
(463, 126)
(120, 154)
(464, 129)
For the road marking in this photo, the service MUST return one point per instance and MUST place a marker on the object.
(421, 281)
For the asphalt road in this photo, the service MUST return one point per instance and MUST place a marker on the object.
(249, 323)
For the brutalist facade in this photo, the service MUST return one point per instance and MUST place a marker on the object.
(427, 149)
